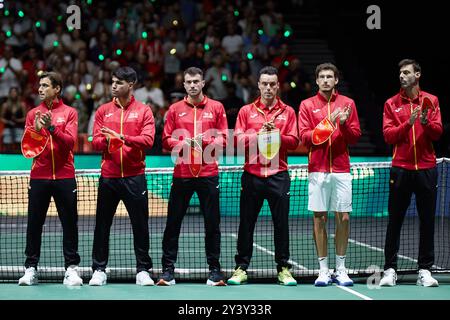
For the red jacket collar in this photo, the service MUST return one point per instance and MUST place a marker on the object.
(333, 97)
(117, 103)
(56, 104)
(403, 95)
(202, 103)
(278, 105)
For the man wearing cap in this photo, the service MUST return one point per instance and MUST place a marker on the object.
(328, 123)
(49, 138)
(411, 122)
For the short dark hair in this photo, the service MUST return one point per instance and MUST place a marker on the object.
(192, 71)
(327, 66)
(268, 70)
(125, 73)
(413, 62)
(55, 79)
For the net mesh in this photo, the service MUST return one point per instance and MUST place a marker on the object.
(364, 255)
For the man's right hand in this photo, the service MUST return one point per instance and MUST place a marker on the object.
(414, 115)
(37, 121)
(334, 115)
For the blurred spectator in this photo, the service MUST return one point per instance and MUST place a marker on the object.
(233, 44)
(232, 104)
(282, 61)
(152, 47)
(193, 56)
(13, 113)
(10, 72)
(296, 86)
(32, 64)
(244, 80)
(149, 93)
(59, 38)
(215, 78)
(173, 50)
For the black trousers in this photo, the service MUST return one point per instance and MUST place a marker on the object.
(182, 189)
(253, 192)
(402, 184)
(64, 193)
(134, 194)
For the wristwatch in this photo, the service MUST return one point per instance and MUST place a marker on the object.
(51, 128)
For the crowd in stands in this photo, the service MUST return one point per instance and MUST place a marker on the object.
(229, 40)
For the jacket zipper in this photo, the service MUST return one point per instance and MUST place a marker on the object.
(121, 149)
(414, 140)
(329, 140)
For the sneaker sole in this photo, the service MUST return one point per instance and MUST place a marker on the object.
(23, 284)
(289, 284)
(236, 283)
(165, 283)
(97, 284)
(434, 284)
(221, 283)
(76, 284)
(139, 283)
(322, 284)
(343, 284)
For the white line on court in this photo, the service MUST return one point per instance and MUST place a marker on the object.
(356, 293)
(265, 250)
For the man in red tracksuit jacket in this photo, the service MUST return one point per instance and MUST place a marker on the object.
(123, 129)
(196, 127)
(330, 181)
(411, 129)
(265, 177)
(53, 175)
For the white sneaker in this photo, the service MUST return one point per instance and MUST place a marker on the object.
(389, 278)
(98, 278)
(324, 278)
(425, 279)
(29, 278)
(342, 279)
(143, 279)
(71, 277)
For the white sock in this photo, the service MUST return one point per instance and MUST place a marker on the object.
(340, 262)
(323, 263)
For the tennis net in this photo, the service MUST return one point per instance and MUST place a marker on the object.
(364, 255)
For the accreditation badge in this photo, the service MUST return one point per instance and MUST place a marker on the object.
(33, 143)
(269, 143)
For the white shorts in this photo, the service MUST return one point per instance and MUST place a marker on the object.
(330, 192)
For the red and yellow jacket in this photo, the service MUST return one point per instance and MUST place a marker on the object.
(250, 119)
(136, 123)
(56, 161)
(185, 120)
(332, 155)
(413, 147)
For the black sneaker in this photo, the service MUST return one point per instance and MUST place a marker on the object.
(216, 278)
(167, 278)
